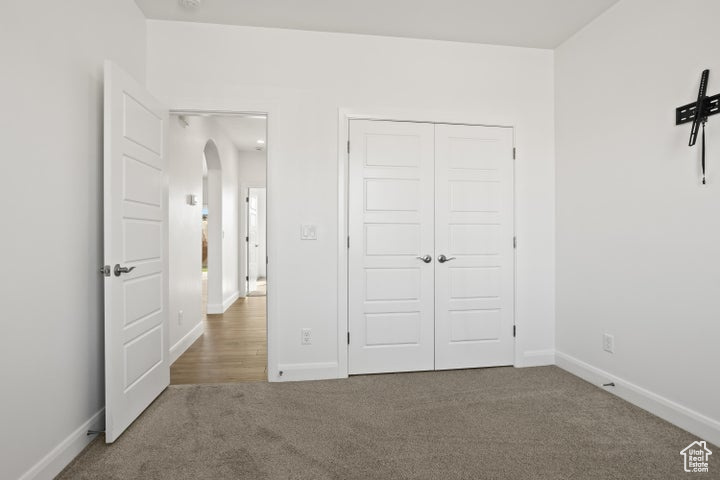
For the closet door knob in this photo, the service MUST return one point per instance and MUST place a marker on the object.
(443, 259)
(426, 258)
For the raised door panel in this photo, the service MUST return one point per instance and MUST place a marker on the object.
(474, 292)
(135, 221)
(391, 224)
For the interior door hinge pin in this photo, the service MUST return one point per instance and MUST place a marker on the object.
(514, 330)
(514, 153)
(348, 338)
(348, 147)
(514, 242)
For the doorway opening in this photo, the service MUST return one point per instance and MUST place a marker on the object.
(257, 242)
(220, 335)
(212, 275)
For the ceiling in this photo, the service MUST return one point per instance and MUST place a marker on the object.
(522, 23)
(243, 131)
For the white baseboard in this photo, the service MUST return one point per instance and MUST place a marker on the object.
(293, 372)
(216, 308)
(230, 300)
(185, 342)
(536, 358)
(694, 422)
(64, 453)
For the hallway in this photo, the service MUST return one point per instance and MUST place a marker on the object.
(232, 349)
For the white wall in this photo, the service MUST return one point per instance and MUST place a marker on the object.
(637, 235)
(51, 347)
(185, 170)
(305, 77)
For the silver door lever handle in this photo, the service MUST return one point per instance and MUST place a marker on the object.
(443, 259)
(426, 258)
(119, 270)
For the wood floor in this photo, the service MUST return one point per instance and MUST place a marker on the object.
(232, 349)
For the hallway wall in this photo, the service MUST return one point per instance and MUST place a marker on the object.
(185, 171)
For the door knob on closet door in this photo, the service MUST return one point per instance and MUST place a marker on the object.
(443, 259)
(426, 258)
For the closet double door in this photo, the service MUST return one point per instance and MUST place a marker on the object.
(431, 260)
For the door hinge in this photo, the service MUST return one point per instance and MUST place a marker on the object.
(348, 338)
(247, 199)
(348, 147)
(348, 241)
(514, 153)
(247, 239)
(514, 242)
(247, 279)
(514, 330)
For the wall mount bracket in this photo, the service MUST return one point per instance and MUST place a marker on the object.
(698, 114)
(686, 113)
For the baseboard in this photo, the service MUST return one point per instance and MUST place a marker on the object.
(537, 358)
(216, 308)
(293, 372)
(60, 457)
(185, 342)
(696, 423)
(230, 300)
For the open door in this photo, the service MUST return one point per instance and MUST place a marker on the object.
(137, 367)
(253, 240)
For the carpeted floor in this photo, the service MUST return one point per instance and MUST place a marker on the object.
(498, 423)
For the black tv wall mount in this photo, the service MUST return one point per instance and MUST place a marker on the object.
(698, 113)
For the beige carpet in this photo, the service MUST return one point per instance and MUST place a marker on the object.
(499, 423)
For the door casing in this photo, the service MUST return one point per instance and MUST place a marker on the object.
(270, 112)
(344, 117)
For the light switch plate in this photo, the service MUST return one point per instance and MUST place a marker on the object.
(308, 232)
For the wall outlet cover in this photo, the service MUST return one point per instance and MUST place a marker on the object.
(608, 343)
(308, 232)
(306, 336)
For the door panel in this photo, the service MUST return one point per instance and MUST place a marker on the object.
(137, 369)
(391, 223)
(474, 293)
(253, 239)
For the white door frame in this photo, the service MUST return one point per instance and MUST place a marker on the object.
(271, 113)
(344, 117)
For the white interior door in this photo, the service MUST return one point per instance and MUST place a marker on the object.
(474, 289)
(391, 225)
(137, 369)
(253, 240)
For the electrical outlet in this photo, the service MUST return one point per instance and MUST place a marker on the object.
(306, 336)
(608, 343)
(181, 315)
